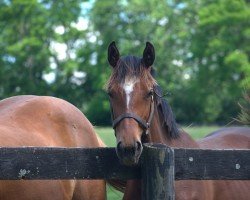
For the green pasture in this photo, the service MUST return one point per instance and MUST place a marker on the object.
(107, 135)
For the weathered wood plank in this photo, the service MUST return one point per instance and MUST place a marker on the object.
(157, 172)
(63, 163)
(102, 163)
(212, 164)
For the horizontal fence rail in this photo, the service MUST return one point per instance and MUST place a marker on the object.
(210, 164)
(161, 165)
(102, 163)
(63, 163)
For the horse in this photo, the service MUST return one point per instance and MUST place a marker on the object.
(44, 121)
(140, 114)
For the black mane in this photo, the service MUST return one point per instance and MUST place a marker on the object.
(166, 113)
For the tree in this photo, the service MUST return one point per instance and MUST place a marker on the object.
(26, 41)
(24, 47)
(131, 24)
(202, 51)
(221, 57)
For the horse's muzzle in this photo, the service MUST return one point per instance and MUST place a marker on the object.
(129, 155)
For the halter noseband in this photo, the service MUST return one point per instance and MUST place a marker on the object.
(144, 124)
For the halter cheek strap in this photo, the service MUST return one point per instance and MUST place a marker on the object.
(144, 124)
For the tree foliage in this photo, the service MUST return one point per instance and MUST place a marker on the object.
(202, 51)
(221, 52)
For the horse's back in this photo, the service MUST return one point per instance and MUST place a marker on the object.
(46, 121)
(229, 138)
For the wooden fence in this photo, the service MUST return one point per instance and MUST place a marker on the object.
(159, 166)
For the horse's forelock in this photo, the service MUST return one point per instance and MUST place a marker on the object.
(129, 66)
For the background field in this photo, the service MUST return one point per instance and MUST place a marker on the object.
(107, 135)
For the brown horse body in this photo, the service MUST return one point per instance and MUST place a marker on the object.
(47, 122)
(228, 138)
(141, 115)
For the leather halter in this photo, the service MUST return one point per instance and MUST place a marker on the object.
(145, 125)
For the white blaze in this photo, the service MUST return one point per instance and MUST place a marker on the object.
(128, 88)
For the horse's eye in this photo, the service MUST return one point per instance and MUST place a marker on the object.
(110, 94)
(150, 93)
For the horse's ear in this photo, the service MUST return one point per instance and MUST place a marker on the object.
(148, 54)
(113, 54)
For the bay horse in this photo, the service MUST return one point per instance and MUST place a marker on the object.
(47, 122)
(141, 114)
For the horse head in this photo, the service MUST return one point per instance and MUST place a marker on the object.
(131, 92)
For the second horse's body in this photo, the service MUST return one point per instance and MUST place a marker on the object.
(141, 114)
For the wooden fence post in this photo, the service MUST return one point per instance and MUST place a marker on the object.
(157, 172)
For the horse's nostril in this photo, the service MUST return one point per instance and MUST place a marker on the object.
(138, 146)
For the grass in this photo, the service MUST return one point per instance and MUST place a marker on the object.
(200, 131)
(108, 137)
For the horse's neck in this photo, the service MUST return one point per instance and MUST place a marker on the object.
(159, 134)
